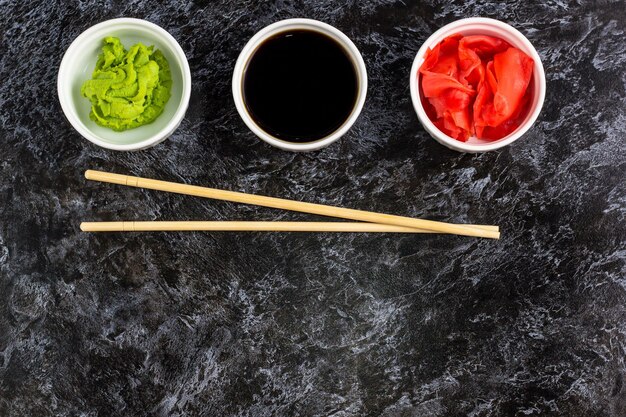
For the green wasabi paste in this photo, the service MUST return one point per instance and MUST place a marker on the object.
(130, 88)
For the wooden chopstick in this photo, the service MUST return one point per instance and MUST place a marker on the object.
(245, 226)
(491, 232)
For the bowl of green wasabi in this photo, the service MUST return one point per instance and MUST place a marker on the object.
(124, 84)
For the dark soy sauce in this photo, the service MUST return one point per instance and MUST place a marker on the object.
(300, 86)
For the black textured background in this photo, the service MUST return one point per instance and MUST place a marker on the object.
(340, 325)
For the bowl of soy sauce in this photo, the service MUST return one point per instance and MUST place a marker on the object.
(299, 84)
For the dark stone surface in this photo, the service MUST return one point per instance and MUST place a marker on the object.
(317, 324)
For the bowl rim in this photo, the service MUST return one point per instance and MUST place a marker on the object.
(284, 25)
(429, 126)
(176, 119)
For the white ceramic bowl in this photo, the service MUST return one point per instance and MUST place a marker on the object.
(78, 64)
(479, 26)
(287, 25)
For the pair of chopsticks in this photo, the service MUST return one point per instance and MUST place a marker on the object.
(368, 221)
